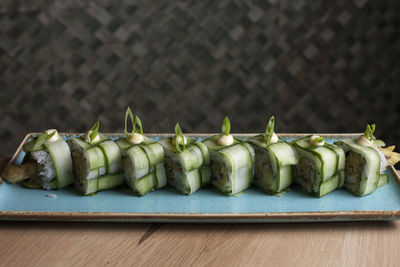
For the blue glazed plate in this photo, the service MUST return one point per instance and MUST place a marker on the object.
(206, 205)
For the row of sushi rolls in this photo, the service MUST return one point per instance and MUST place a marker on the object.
(95, 162)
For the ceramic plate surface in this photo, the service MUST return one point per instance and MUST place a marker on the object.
(206, 205)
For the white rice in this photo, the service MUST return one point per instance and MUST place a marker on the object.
(102, 171)
(47, 170)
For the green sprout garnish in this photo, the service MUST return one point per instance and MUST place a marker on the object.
(178, 133)
(319, 139)
(269, 131)
(369, 132)
(95, 131)
(138, 123)
(42, 139)
(135, 121)
(128, 112)
(226, 126)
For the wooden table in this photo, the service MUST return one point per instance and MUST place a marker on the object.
(300, 244)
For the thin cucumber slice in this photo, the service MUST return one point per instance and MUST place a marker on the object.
(328, 186)
(284, 153)
(144, 184)
(160, 175)
(95, 158)
(138, 163)
(341, 162)
(204, 151)
(155, 153)
(284, 179)
(61, 156)
(205, 172)
(112, 155)
(110, 181)
(191, 158)
(383, 180)
(193, 183)
(102, 183)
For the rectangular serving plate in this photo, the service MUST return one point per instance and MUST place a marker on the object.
(204, 206)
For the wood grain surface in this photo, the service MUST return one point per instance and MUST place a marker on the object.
(126, 244)
(117, 244)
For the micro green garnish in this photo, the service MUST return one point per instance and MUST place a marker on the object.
(319, 139)
(135, 121)
(269, 131)
(178, 133)
(369, 132)
(138, 123)
(226, 126)
(95, 131)
(128, 112)
(42, 139)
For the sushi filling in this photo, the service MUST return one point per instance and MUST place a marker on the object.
(46, 170)
(305, 173)
(263, 173)
(175, 173)
(127, 167)
(79, 164)
(221, 175)
(353, 169)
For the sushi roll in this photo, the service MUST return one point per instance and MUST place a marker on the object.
(366, 162)
(320, 167)
(274, 159)
(47, 163)
(187, 162)
(142, 159)
(96, 162)
(232, 161)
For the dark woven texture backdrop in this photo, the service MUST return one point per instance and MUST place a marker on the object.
(319, 66)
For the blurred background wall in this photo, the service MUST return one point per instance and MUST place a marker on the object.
(319, 66)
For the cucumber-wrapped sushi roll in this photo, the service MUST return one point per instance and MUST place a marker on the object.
(47, 163)
(320, 167)
(96, 162)
(187, 162)
(142, 159)
(274, 159)
(366, 162)
(232, 161)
